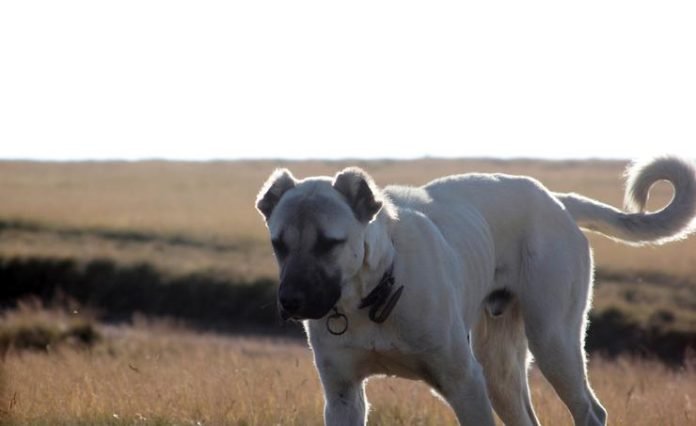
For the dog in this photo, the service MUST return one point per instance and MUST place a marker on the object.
(454, 282)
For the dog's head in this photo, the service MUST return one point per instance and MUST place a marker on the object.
(317, 228)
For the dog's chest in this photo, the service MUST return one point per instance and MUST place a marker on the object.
(393, 363)
(379, 354)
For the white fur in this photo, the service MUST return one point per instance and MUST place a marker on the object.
(456, 240)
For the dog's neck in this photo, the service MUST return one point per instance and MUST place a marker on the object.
(379, 254)
(378, 260)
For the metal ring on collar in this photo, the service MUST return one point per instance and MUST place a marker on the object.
(334, 325)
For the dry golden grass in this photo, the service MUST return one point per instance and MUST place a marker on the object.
(245, 262)
(155, 375)
(30, 328)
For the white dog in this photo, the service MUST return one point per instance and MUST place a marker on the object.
(452, 282)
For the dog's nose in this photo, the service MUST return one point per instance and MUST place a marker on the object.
(290, 301)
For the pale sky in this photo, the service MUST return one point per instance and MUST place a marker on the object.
(362, 79)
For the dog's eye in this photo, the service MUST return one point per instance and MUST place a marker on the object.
(279, 247)
(324, 244)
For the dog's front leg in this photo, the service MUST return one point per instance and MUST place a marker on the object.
(458, 377)
(344, 403)
(344, 393)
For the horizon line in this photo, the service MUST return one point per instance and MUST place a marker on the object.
(314, 159)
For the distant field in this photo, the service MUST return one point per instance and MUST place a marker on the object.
(214, 203)
(153, 375)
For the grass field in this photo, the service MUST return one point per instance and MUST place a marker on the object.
(190, 223)
(213, 203)
(156, 374)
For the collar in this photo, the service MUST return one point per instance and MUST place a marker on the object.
(381, 301)
(382, 297)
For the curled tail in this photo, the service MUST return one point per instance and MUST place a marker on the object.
(635, 226)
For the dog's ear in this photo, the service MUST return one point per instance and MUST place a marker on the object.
(360, 192)
(277, 184)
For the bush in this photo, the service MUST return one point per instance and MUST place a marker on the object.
(119, 292)
(30, 328)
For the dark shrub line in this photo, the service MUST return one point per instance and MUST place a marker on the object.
(611, 333)
(213, 302)
(118, 292)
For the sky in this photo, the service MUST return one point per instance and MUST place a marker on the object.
(202, 80)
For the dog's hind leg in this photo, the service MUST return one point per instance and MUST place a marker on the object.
(500, 345)
(560, 358)
(554, 299)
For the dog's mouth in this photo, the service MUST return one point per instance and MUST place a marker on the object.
(314, 314)
(303, 298)
(309, 311)
(288, 316)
